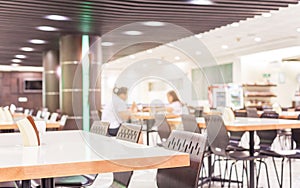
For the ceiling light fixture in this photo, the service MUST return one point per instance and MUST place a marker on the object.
(37, 41)
(257, 39)
(16, 60)
(57, 17)
(235, 24)
(201, 2)
(224, 47)
(149, 51)
(199, 36)
(14, 65)
(298, 29)
(266, 14)
(132, 56)
(153, 23)
(107, 44)
(133, 33)
(20, 56)
(46, 28)
(177, 58)
(27, 49)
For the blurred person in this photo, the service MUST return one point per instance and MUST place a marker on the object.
(116, 112)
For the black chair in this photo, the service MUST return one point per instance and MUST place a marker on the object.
(163, 127)
(266, 139)
(100, 127)
(189, 123)
(131, 133)
(296, 138)
(195, 145)
(218, 141)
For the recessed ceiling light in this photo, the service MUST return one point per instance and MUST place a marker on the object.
(14, 65)
(107, 43)
(132, 56)
(46, 28)
(235, 24)
(20, 56)
(199, 36)
(37, 41)
(257, 39)
(16, 60)
(57, 17)
(298, 29)
(266, 14)
(132, 33)
(153, 23)
(149, 51)
(177, 58)
(201, 2)
(224, 47)
(26, 49)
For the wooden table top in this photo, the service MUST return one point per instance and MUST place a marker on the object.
(66, 153)
(282, 115)
(147, 116)
(13, 125)
(250, 124)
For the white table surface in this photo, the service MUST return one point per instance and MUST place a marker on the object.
(64, 153)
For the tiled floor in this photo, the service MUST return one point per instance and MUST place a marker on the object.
(146, 178)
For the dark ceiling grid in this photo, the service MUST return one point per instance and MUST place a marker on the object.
(18, 19)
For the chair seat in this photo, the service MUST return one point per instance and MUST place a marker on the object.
(244, 155)
(73, 181)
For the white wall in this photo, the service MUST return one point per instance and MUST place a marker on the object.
(252, 67)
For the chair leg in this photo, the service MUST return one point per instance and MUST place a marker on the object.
(282, 166)
(277, 176)
(258, 174)
(245, 168)
(230, 172)
(236, 174)
(290, 167)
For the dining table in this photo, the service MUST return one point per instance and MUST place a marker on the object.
(76, 152)
(148, 118)
(251, 125)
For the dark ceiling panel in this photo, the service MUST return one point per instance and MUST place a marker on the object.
(19, 19)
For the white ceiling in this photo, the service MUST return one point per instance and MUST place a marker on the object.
(277, 31)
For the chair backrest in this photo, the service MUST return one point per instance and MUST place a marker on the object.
(217, 135)
(8, 116)
(269, 114)
(12, 108)
(30, 112)
(38, 114)
(26, 111)
(46, 116)
(189, 123)
(188, 142)
(100, 127)
(53, 117)
(163, 127)
(131, 133)
(63, 120)
(252, 112)
(267, 136)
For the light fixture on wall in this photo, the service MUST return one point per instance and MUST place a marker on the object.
(201, 2)
(22, 99)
